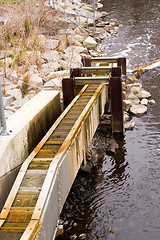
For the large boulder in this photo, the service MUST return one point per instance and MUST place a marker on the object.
(138, 109)
(90, 43)
(51, 56)
(49, 67)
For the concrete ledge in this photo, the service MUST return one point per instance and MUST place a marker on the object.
(26, 128)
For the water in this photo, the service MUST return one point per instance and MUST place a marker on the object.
(122, 198)
(127, 196)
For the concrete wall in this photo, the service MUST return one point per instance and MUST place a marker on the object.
(26, 128)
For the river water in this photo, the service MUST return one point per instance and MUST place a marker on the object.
(123, 201)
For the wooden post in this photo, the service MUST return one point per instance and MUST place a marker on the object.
(121, 62)
(116, 104)
(68, 91)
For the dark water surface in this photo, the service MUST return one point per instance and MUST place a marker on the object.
(126, 202)
(123, 201)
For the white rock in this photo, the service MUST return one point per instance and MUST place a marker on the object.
(55, 82)
(90, 43)
(64, 64)
(49, 67)
(145, 94)
(152, 102)
(126, 116)
(129, 125)
(16, 93)
(138, 109)
(127, 104)
(8, 100)
(132, 96)
(113, 23)
(135, 101)
(51, 56)
(35, 81)
(135, 90)
(80, 38)
(144, 101)
(72, 50)
(14, 74)
(52, 43)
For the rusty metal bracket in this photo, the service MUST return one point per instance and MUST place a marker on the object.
(86, 62)
(68, 91)
(121, 62)
(116, 72)
(116, 104)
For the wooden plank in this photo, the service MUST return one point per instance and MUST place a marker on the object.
(95, 70)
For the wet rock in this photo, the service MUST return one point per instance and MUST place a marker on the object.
(73, 237)
(113, 23)
(113, 145)
(144, 101)
(129, 125)
(82, 236)
(86, 168)
(90, 43)
(138, 109)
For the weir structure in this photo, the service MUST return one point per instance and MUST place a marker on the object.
(37, 197)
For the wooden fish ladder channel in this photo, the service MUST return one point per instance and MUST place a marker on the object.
(36, 199)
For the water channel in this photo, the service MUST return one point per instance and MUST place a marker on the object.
(123, 194)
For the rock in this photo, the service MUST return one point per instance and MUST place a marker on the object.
(2, 20)
(145, 94)
(35, 81)
(80, 38)
(14, 74)
(86, 168)
(138, 109)
(152, 102)
(135, 101)
(113, 23)
(8, 100)
(51, 56)
(71, 50)
(100, 24)
(82, 236)
(16, 93)
(49, 67)
(93, 53)
(64, 64)
(127, 104)
(126, 116)
(73, 237)
(33, 69)
(52, 44)
(59, 74)
(131, 80)
(135, 90)
(113, 145)
(90, 43)
(144, 101)
(131, 96)
(19, 103)
(55, 82)
(62, 44)
(99, 5)
(129, 125)
(90, 22)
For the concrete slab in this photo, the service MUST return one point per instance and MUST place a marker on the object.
(26, 128)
